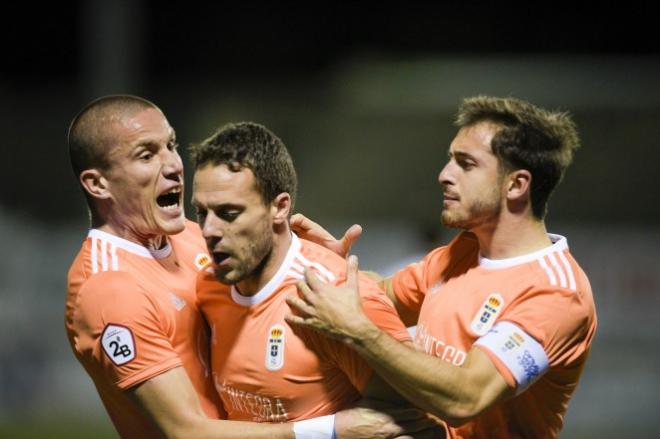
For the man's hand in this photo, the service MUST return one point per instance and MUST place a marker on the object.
(311, 231)
(385, 423)
(335, 311)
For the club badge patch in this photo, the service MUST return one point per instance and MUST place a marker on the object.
(487, 314)
(118, 344)
(275, 348)
(202, 260)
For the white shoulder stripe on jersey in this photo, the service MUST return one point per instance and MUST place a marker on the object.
(318, 272)
(521, 354)
(104, 255)
(548, 271)
(104, 264)
(569, 270)
(113, 255)
(558, 269)
(324, 272)
(95, 268)
(296, 266)
(295, 274)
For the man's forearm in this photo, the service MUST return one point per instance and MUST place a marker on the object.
(453, 393)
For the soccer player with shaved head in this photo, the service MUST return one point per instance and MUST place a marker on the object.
(131, 315)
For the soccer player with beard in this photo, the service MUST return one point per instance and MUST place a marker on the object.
(131, 315)
(244, 190)
(505, 316)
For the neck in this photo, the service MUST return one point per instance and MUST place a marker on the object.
(512, 237)
(152, 242)
(268, 268)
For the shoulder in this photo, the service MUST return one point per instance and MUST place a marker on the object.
(329, 265)
(464, 247)
(461, 253)
(113, 296)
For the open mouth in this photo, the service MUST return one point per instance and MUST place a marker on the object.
(220, 257)
(170, 199)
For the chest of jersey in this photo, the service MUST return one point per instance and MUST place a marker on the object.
(461, 308)
(266, 371)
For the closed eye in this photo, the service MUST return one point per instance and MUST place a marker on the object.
(229, 215)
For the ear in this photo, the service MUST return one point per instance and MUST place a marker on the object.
(518, 185)
(280, 208)
(95, 184)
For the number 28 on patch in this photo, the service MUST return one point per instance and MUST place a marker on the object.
(118, 344)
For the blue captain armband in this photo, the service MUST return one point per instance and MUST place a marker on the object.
(521, 353)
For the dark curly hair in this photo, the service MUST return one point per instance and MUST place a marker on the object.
(250, 145)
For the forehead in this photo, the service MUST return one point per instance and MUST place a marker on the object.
(474, 140)
(144, 126)
(217, 184)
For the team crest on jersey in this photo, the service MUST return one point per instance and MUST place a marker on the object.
(118, 344)
(202, 260)
(487, 314)
(275, 348)
(178, 302)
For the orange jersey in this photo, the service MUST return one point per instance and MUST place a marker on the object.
(533, 315)
(268, 371)
(131, 315)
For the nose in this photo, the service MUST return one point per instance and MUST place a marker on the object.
(172, 165)
(211, 230)
(444, 177)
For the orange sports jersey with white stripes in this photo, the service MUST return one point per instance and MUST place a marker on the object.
(533, 315)
(267, 371)
(131, 315)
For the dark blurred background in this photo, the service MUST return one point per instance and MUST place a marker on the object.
(364, 96)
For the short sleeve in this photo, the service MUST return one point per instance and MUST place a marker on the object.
(411, 283)
(560, 319)
(380, 310)
(122, 331)
(542, 329)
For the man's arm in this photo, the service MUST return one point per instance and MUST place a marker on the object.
(171, 402)
(455, 394)
(169, 399)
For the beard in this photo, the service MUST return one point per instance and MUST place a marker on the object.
(249, 261)
(477, 213)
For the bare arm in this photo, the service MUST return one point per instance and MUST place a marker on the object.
(170, 400)
(455, 394)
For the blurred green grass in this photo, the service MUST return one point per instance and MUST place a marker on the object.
(70, 427)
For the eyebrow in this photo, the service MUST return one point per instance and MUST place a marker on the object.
(212, 206)
(461, 155)
(151, 142)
